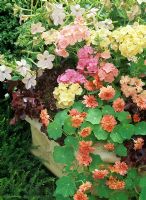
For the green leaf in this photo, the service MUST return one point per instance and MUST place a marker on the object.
(63, 155)
(123, 116)
(71, 141)
(140, 128)
(126, 131)
(65, 186)
(102, 190)
(79, 106)
(99, 133)
(68, 128)
(119, 196)
(121, 150)
(142, 182)
(61, 116)
(115, 136)
(60, 197)
(143, 194)
(94, 116)
(54, 130)
(96, 161)
(108, 110)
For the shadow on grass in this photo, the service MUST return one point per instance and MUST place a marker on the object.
(22, 176)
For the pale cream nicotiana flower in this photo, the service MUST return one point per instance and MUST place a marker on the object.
(76, 10)
(141, 1)
(22, 67)
(5, 73)
(58, 14)
(45, 60)
(29, 80)
(37, 28)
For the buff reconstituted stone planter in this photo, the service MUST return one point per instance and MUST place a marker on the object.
(43, 147)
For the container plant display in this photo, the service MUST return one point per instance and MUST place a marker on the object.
(79, 79)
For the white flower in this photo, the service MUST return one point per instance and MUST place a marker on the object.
(22, 67)
(58, 14)
(37, 28)
(77, 10)
(5, 73)
(45, 60)
(106, 24)
(141, 1)
(29, 81)
(92, 12)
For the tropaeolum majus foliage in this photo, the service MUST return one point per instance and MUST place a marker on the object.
(96, 118)
(80, 69)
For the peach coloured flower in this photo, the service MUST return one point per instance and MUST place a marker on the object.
(120, 168)
(85, 132)
(108, 123)
(37, 28)
(90, 101)
(85, 187)
(62, 52)
(83, 154)
(138, 144)
(119, 105)
(44, 117)
(136, 117)
(80, 196)
(105, 55)
(107, 72)
(100, 174)
(140, 100)
(77, 118)
(107, 93)
(89, 85)
(115, 184)
(109, 146)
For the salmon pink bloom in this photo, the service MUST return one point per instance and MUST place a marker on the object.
(120, 168)
(138, 144)
(44, 117)
(136, 117)
(108, 123)
(77, 118)
(90, 101)
(80, 196)
(85, 187)
(85, 132)
(83, 154)
(107, 93)
(115, 184)
(100, 174)
(109, 146)
(119, 105)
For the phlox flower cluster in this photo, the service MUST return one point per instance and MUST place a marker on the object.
(85, 132)
(70, 35)
(83, 154)
(71, 76)
(100, 174)
(45, 118)
(119, 168)
(65, 94)
(129, 40)
(108, 123)
(80, 194)
(114, 184)
(133, 87)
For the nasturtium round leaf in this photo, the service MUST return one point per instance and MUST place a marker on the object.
(61, 116)
(115, 136)
(140, 128)
(126, 131)
(121, 150)
(63, 154)
(102, 190)
(54, 130)
(96, 161)
(108, 110)
(79, 106)
(71, 141)
(123, 117)
(68, 128)
(119, 196)
(60, 197)
(99, 133)
(94, 116)
(86, 124)
(65, 186)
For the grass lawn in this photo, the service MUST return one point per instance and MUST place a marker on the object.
(22, 176)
